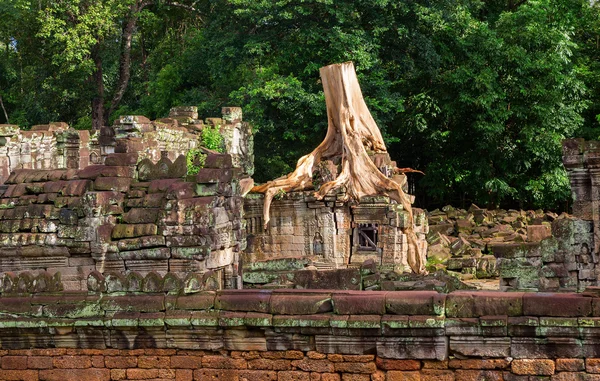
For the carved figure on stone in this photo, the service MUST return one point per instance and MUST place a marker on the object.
(354, 138)
(318, 244)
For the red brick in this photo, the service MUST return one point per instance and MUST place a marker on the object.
(294, 355)
(75, 374)
(437, 375)
(98, 361)
(186, 362)
(141, 374)
(358, 358)
(216, 374)
(72, 362)
(321, 366)
(166, 373)
(565, 376)
(396, 375)
(533, 367)
(315, 376)
(220, 362)
(316, 355)
(388, 364)
(118, 374)
(251, 355)
(293, 376)
(265, 364)
(272, 355)
(478, 364)
(19, 375)
(122, 362)
(184, 375)
(39, 362)
(355, 377)
(330, 377)
(378, 376)
(569, 365)
(591, 365)
(131, 352)
(258, 375)
(355, 367)
(478, 375)
(93, 352)
(14, 362)
(334, 357)
(433, 364)
(159, 352)
(159, 362)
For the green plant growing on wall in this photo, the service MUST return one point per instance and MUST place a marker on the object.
(212, 138)
(195, 160)
(280, 194)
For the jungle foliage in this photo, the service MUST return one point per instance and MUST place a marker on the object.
(476, 94)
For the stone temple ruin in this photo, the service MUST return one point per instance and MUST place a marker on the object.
(78, 208)
(117, 264)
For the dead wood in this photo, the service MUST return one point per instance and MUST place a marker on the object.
(352, 134)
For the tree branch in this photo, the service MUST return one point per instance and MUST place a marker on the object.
(3, 109)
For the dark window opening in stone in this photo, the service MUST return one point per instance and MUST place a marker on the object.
(367, 237)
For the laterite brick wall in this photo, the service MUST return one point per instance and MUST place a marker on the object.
(188, 365)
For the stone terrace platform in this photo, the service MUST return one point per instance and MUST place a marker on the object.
(300, 335)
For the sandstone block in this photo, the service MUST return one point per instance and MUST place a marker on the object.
(116, 184)
(360, 302)
(133, 230)
(565, 305)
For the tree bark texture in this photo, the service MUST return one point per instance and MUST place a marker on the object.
(351, 134)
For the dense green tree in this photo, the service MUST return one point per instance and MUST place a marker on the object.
(476, 94)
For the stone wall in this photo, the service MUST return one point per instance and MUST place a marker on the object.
(300, 335)
(56, 146)
(327, 231)
(568, 260)
(125, 217)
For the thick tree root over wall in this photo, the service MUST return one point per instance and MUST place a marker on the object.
(351, 134)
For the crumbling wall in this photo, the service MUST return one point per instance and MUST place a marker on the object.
(123, 217)
(56, 146)
(326, 231)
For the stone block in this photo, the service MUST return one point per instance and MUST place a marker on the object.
(133, 230)
(415, 303)
(561, 305)
(534, 367)
(141, 215)
(422, 348)
(556, 347)
(301, 302)
(243, 300)
(121, 159)
(211, 176)
(359, 302)
(476, 304)
(116, 184)
(480, 346)
(536, 233)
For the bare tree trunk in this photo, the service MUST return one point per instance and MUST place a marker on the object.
(125, 60)
(351, 132)
(98, 117)
(4, 110)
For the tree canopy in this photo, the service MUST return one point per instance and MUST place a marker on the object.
(478, 95)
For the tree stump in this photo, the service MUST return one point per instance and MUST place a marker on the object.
(351, 134)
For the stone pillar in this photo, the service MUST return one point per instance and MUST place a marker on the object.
(238, 139)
